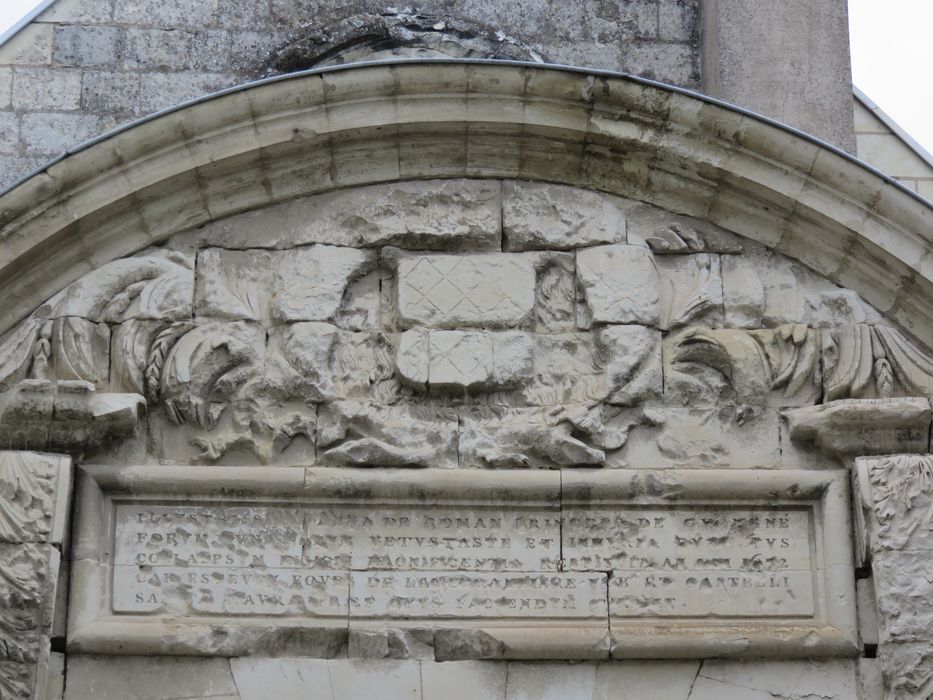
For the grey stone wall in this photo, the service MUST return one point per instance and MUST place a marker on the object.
(86, 66)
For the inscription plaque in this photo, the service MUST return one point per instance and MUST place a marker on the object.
(609, 563)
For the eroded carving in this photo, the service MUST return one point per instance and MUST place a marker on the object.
(865, 361)
(387, 436)
(68, 338)
(26, 493)
(750, 367)
(566, 436)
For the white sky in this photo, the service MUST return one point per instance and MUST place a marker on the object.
(892, 56)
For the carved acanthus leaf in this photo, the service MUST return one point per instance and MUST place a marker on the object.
(902, 495)
(68, 338)
(26, 490)
(753, 363)
(207, 368)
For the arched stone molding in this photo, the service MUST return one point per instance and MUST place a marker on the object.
(318, 131)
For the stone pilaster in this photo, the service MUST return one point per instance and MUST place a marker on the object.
(896, 498)
(35, 493)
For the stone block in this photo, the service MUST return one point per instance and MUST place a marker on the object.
(493, 290)
(550, 681)
(644, 680)
(671, 62)
(671, 234)
(632, 363)
(677, 20)
(78, 12)
(84, 46)
(9, 132)
(832, 679)
(459, 359)
(50, 134)
(577, 435)
(158, 49)
(169, 14)
(305, 284)
(464, 359)
(762, 288)
(30, 46)
(40, 89)
(107, 92)
(397, 680)
(691, 290)
(164, 90)
(711, 436)
(147, 677)
(538, 216)
(619, 284)
(430, 214)
(463, 680)
(6, 86)
(352, 433)
(871, 682)
(284, 679)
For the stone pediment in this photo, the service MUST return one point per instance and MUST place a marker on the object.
(453, 267)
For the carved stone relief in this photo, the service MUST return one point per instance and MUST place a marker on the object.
(288, 335)
(35, 494)
(897, 498)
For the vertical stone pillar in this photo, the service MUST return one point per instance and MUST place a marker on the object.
(35, 494)
(896, 494)
(787, 60)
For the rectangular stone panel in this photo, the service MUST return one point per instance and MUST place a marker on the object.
(764, 555)
(487, 563)
(490, 289)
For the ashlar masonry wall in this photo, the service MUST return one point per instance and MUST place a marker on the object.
(86, 66)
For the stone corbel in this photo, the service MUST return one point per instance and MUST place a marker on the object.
(850, 428)
(66, 416)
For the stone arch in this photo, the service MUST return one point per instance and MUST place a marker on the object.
(444, 264)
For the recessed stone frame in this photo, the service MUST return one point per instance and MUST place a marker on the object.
(323, 130)
(534, 526)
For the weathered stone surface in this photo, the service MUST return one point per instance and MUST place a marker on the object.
(148, 678)
(387, 436)
(470, 290)
(464, 359)
(724, 436)
(852, 427)
(537, 216)
(762, 289)
(435, 596)
(764, 680)
(865, 361)
(632, 364)
(691, 290)
(305, 284)
(619, 284)
(564, 436)
(27, 487)
(423, 215)
(555, 293)
(65, 416)
(767, 367)
(669, 234)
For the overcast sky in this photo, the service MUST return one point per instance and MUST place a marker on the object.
(892, 56)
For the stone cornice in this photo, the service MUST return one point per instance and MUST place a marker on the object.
(325, 130)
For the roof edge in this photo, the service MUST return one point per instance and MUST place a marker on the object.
(30, 16)
(896, 128)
